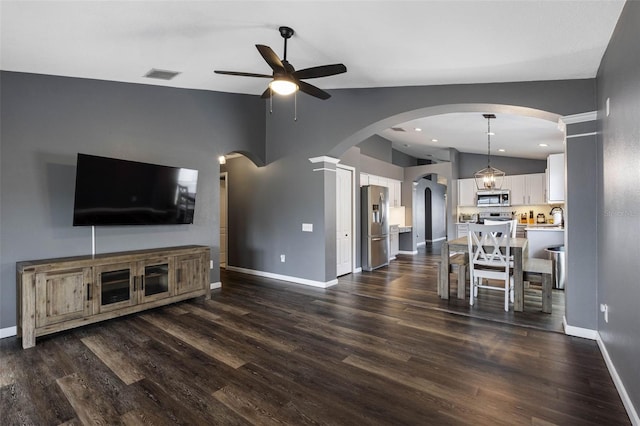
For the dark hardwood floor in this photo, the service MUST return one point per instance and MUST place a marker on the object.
(378, 348)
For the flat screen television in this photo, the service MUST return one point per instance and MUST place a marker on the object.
(110, 191)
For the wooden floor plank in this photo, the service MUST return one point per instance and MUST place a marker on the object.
(379, 348)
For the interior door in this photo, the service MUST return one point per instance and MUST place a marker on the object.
(344, 221)
(223, 220)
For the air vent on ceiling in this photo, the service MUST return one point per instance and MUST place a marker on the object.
(398, 129)
(161, 74)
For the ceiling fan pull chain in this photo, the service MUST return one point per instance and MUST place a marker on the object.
(295, 106)
(270, 100)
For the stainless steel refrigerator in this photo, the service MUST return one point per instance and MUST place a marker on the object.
(375, 226)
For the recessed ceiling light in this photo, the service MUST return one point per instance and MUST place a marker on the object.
(434, 140)
(418, 129)
(501, 150)
(543, 144)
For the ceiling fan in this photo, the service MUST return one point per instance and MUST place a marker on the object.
(285, 79)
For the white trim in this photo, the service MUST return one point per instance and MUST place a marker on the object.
(324, 159)
(357, 270)
(392, 258)
(284, 277)
(408, 252)
(437, 239)
(353, 212)
(626, 401)
(579, 135)
(585, 333)
(8, 332)
(324, 169)
(214, 286)
(580, 118)
(422, 243)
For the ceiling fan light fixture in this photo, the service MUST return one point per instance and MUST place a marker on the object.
(282, 86)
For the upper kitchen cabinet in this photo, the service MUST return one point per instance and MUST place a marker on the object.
(395, 193)
(394, 186)
(466, 192)
(526, 189)
(555, 178)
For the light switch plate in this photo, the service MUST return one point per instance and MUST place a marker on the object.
(307, 227)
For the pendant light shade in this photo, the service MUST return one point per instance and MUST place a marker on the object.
(489, 178)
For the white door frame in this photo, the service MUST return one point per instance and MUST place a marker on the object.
(353, 214)
(225, 175)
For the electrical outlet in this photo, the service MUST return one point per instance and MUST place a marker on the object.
(608, 107)
(282, 258)
(604, 308)
(211, 264)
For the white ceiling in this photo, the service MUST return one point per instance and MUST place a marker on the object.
(382, 43)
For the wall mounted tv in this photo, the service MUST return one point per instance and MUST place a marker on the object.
(110, 191)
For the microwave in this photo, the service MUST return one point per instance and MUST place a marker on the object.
(495, 198)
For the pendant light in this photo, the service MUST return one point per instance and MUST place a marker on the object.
(489, 178)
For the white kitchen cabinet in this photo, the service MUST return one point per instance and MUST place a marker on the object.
(395, 193)
(526, 189)
(394, 186)
(535, 184)
(555, 178)
(394, 241)
(378, 180)
(466, 192)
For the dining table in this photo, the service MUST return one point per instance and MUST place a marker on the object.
(518, 248)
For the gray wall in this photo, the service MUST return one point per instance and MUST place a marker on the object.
(377, 147)
(47, 120)
(619, 206)
(581, 227)
(403, 160)
(468, 164)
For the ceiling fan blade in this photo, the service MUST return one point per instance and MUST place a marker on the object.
(272, 59)
(312, 90)
(243, 74)
(321, 71)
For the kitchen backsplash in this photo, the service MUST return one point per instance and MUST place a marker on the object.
(396, 215)
(517, 210)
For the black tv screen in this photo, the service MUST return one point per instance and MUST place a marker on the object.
(110, 191)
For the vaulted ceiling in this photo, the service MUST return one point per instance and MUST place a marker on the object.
(382, 43)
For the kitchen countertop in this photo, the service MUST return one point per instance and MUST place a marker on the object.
(542, 227)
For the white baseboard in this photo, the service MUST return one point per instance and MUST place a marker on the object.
(408, 252)
(626, 401)
(422, 243)
(214, 286)
(284, 277)
(585, 333)
(392, 258)
(8, 332)
(357, 270)
(436, 240)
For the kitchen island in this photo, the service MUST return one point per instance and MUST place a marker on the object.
(542, 236)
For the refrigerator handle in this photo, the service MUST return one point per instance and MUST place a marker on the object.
(383, 212)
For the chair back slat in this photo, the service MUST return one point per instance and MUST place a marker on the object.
(489, 245)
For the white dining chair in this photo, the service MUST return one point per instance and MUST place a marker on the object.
(513, 225)
(489, 258)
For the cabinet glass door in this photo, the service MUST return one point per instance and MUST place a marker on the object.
(115, 287)
(156, 279)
